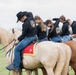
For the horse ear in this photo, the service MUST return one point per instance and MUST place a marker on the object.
(13, 31)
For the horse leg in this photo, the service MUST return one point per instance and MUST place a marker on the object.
(74, 69)
(59, 68)
(44, 71)
(74, 72)
(48, 68)
(66, 66)
(65, 69)
(28, 72)
(73, 65)
(17, 73)
(49, 71)
(35, 71)
(13, 72)
(20, 72)
(60, 64)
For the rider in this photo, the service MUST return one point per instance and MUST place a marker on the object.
(41, 29)
(73, 26)
(52, 34)
(28, 35)
(65, 29)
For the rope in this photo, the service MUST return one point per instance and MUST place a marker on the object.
(7, 45)
(10, 50)
(9, 53)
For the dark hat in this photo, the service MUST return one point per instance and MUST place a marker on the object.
(21, 14)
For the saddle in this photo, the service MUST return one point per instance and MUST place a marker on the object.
(28, 51)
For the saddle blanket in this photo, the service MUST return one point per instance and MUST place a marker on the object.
(29, 50)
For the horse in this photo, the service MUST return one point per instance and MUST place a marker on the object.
(72, 45)
(48, 55)
(16, 34)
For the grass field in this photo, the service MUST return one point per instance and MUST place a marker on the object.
(3, 63)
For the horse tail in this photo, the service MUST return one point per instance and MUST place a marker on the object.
(68, 57)
(61, 61)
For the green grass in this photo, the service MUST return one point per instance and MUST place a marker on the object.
(3, 63)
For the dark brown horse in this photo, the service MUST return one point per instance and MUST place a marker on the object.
(72, 45)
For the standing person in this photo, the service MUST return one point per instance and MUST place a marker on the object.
(65, 29)
(27, 36)
(41, 29)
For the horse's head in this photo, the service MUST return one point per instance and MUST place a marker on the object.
(5, 38)
(16, 33)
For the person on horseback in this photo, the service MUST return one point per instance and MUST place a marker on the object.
(28, 35)
(41, 29)
(64, 33)
(52, 34)
(70, 26)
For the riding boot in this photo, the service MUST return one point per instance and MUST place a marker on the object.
(11, 67)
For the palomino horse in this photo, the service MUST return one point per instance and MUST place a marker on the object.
(72, 45)
(16, 34)
(53, 56)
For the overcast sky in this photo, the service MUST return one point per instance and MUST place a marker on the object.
(44, 8)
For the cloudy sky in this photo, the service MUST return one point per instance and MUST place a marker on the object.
(44, 8)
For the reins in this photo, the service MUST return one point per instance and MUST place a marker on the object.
(10, 48)
(7, 45)
(10, 51)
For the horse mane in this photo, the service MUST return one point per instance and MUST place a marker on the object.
(16, 33)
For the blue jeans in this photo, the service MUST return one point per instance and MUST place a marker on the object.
(25, 42)
(65, 38)
(56, 39)
(45, 39)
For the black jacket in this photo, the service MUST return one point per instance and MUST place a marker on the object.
(41, 34)
(28, 28)
(65, 29)
(74, 27)
(53, 33)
